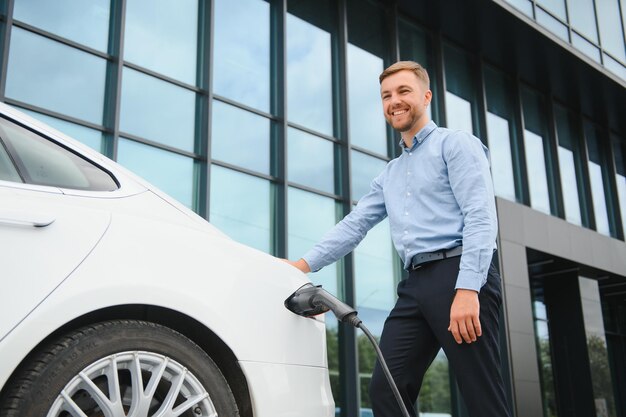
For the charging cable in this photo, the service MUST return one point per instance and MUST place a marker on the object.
(310, 300)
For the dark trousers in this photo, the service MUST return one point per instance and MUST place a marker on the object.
(417, 327)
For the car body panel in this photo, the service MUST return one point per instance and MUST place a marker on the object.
(137, 246)
(42, 240)
(292, 387)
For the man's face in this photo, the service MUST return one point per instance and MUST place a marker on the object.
(405, 99)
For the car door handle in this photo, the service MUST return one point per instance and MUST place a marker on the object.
(25, 218)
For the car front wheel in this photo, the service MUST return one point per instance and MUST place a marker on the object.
(121, 368)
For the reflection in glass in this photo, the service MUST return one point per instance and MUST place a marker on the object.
(568, 152)
(596, 347)
(524, 6)
(499, 128)
(611, 33)
(51, 75)
(582, 17)
(367, 122)
(586, 47)
(414, 47)
(240, 137)
(461, 92)
(458, 113)
(242, 52)
(172, 173)
(240, 207)
(596, 180)
(364, 169)
(556, 27)
(367, 49)
(89, 137)
(435, 395)
(500, 156)
(374, 262)
(309, 76)
(157, 110)
(536, 170)
(310, 217)
(85, 22)
(542, 338)
(163, 38)
(556, 7)
(311, 160)
(620, 175)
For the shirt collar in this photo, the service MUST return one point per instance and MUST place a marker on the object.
(420, 136)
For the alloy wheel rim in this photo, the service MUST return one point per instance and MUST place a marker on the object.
(133, 384)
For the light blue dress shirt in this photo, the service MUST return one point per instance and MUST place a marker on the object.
(438, 194)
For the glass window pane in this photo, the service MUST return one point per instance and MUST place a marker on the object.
(311, 161)
(596, 177)
(43, 162)
(310, 216)
(85, 22)
(461, 90)
(248, 147)
(170, 172)
(90, 137)
(367, 32)
(500, 156)
(620, 175)
(374, 260)
(54, 76)
(569, 160)
(434, 394)
(414, 47)
(596, 346)
(242, 57)
(556, 7)
(232, 196)
(458, 113)
(163, 38)
(498, 91)
(552, 24)
(611, 33)
(364, 169)
(614, 66)
(157, 110)
(536, 171)
(582, 17)
(309, 73)
(8, 172)
(535, 147)
(525, 6)
(586, 47)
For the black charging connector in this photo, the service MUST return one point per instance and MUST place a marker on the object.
(310, 300)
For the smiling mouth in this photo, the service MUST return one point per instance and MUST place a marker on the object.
(398, 112)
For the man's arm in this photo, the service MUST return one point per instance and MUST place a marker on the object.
(348, 233)
(470, 180)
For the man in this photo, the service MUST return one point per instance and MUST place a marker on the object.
(439, 198)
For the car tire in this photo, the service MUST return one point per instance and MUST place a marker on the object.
(119, 368)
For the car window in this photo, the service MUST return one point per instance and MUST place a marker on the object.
(7, 169)
(43, 162)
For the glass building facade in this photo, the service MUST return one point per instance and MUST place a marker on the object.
(265, 118)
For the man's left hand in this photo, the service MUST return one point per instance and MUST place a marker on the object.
(464, 320)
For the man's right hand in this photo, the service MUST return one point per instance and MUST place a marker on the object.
(300, 264)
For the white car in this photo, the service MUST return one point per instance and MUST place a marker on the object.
(116, 300)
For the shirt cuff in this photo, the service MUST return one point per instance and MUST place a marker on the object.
(314, 260)
(468, 280)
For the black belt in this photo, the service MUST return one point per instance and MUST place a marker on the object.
(422, 258)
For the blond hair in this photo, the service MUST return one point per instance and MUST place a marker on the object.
(419, 71)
